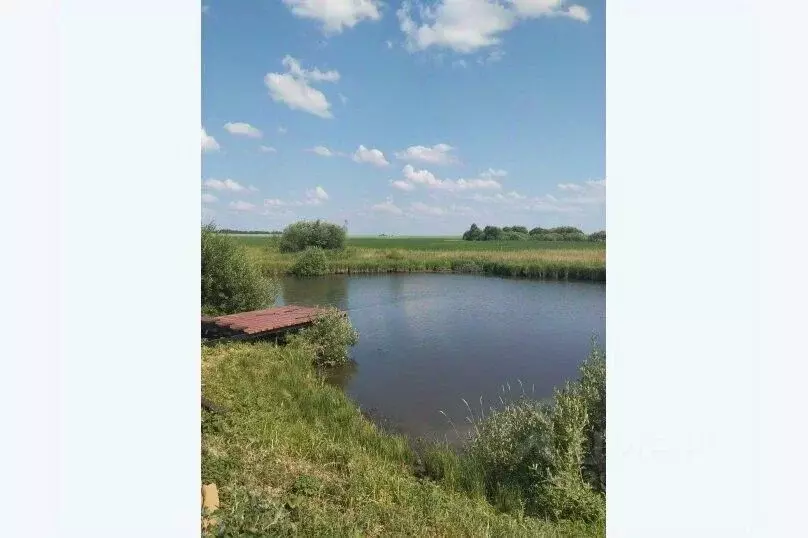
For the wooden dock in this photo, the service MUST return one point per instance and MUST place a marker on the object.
(270, 322)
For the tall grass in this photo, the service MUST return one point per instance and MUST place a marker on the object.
(568, 263)
(534, 458)
(294, 456)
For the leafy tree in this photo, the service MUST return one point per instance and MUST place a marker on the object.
(301, 235)
(598, 236)
(230, 282)
(473, 234)
(492, 233)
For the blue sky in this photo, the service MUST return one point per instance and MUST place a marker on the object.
(403, 117)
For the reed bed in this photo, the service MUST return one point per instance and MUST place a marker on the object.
(550, 264)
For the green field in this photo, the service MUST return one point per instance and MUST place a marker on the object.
(555, 260)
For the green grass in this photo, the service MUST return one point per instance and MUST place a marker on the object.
(531, 259)
(294, 456)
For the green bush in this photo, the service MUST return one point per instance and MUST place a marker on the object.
(598, 236)
(230, 282)
(311, 262)
(329, 337)
(304, 234)
(549, 458)
(514, 236)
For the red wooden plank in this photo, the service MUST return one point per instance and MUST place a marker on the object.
(270, 319)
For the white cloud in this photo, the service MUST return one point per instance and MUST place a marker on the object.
(579, 13)
(387, 207)
(574, 198)
(313, 197)
(343, 99)
(323, 151)
(242, 206)
(293, 88)
(428, 179)
(314, 75)
(437, 154)
(371, 156)
(336, 15)
(316, 195)
(389, 44)
(268, 149)
(241, 128)
(208, 142)
(402, 185)
(466, 26)
(420, 207)
(226, 185)
(253, 188)
(282, 129)
(494, 173)
(208, 198)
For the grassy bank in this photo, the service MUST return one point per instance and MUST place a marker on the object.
(554, 260)
(293, 455)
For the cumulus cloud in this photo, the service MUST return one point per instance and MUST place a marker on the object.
(323, 151)
(371, 156)
(387, 207)
(336, 15)
(494, 173)
(402, 185)
(241, 128)
(437, 154)
(293, 88)
(242, 206)
(424, 209)
(226, 185)
(571, 198)
(467, 26)
(208, 142)
(208, 198)
(317, 194)
(313, 197)
(428, 179)
(268, 149)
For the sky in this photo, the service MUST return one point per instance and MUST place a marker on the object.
(405, 118)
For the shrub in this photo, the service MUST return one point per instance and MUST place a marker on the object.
(598, 236)
(230, 282)
(311, 262)
(566, 230)
(552, 458)
(514, 236)
(304, 234)
(329, 337)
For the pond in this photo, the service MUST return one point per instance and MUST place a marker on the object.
(428, 341)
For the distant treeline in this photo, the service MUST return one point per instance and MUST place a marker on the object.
(521, 233)
(249, 232)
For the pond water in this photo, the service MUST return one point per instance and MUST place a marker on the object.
(428, 341)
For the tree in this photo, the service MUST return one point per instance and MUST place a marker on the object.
(230, 282)
(301, 235)
(492, 233)
(473, 234)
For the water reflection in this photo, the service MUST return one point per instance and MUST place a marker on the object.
(427, 341)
